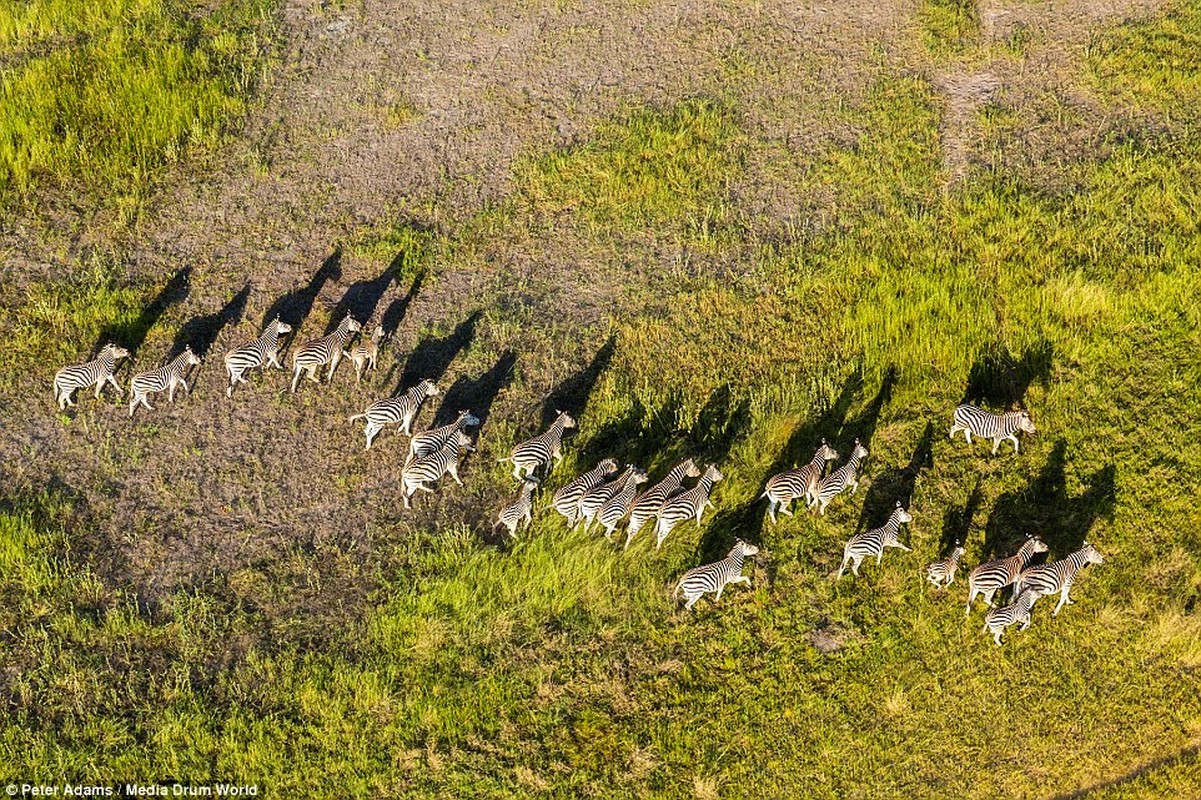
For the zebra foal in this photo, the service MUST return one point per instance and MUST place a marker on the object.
(1058, 576)
(791, 484)
(399, 411)
(96, 372)
(873, 542)
(316, 353)
(167, 377)
(942, 573)
(987, 425)
(715, 577)
(364, 354)
(511, 516)
(262, 352)
(998, 619)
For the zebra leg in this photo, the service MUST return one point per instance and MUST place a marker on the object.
(132, 405)
(743, 579)
(971, 595)
(113, 380)
(967, 434)
(453, 471)
(855, 562)
(988, 595)
(1063, 601)
(842, 566)
(786, 507)
(691, 601)
(996, 443)
(854, 486)
(954, 430)
(771, 511)
(1015, 442)
(313, 376)
(333, 365)
(295, 378)
(996, 635)
(99, 386)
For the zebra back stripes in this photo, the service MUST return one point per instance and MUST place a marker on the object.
(595, 498)
(687, 505)
(873, 542)
(545, 448)
(168, 377)
(511, 516)
(1058, 576)
(96, 372)
(567, 500)
(791, 484)
(992, 576)
(261, 352)
(616, 507)
(837, 481)
(399, 411)
(431, 467)
(998, 619)
(715, 577)
(316, 353)
(646, 505)
(942, 573)
(429, 441)
(987, 425)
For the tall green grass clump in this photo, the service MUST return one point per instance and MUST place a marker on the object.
(949, 27)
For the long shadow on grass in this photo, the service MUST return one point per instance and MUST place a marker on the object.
(896, 484)
(863, 426)
(294, 307)
(395, 312)
(642, 436)
(361, 299)
(477, 395)
(1186, 755)
(201, 332)
(131, 335)
(432, 356)
(572, 394)
(999, 379)
(957, 522)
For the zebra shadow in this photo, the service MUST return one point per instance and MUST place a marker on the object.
(647, 437)
(394, 314)
(863, 425)
(201, 332)
(476, 395)
(572, 394)
(896, 484)
(432, 356)
(1186, 755)
(1001, 380)
(294, 307)
(131, 335)
(957, 522)
(723, 421)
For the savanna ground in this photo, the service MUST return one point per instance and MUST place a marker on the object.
(723, 230)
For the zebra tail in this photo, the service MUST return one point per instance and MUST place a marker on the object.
(356, 416)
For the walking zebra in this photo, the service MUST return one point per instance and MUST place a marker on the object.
(1058, 575)
(790, 484)
(166, 377)
(942, 573)
(715, 577)
(399, 411)
(616, 507)
(364, 354)
(998, 619)
(837, 481)
(510, 516)
(545, 448)
(873, 542)
(992, 576)
(261, 352)
(316, 353)
(567, 500)
(646, 505)
(429, 441)
(96, 372)
(595, 498)
(987, 425)
(686, 505)
(431, 467)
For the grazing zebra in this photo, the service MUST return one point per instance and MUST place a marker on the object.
(998, 619)
(592, 500)
(431, 467)
(261, 352)
(987, 425)
(567, 500)
(873, 542)
(790, 484)
(316, 353)
(429, 441)
(837, 481)
(166, 377)
(399, 411)
(942, 573)
(686, 505)
(992, 576)
(1058, 575)
(715, 577)
(616, 507)
(96, 373)
(363, 354)
(545, 448)
(510, 516)
(646, 505)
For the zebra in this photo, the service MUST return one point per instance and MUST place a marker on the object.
(364, 354)
(169, 377)
(646, 505)
(429, 441)
(594, 499)
(873, 542)
(259, 353)
(715, 577)
(837, 481)
(399, 411)
(567, 500)
(316, 353)
(987, 425)
(787, 486)
(545, 448)
(431, 467)
(1058, 576)
(998, 619)
(511, 516)
(992, 576)
(942, 573)
(616, 507)
(686, 505)
(96, 372)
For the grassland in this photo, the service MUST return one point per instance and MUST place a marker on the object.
(556, 666)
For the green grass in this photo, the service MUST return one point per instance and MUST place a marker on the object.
(949, 27)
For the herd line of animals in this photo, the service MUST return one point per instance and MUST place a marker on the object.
(607, 495)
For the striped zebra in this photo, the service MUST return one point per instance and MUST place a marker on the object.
(398, 411)
(998, 619)
(715, 577)
(431, 467)
(791, 484)
(646, 505)
(837, 481)
(1058, 576)
(510, 516)
(426, 442)
(942, 573)
(987, 425)
(262, 352)
(873, 542)
(992, 576)
(686, 505)
(595, 498)
(316, 353)
(364, 354)
(545, 448)
(616, 507)
(168, 377)
(567, 500)
(96, 372)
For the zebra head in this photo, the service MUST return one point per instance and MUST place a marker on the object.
(901, 515)
(115, 350)
(826, 452)
(466, 418)
(1024, 422)
(529, 483)
(428, 388)
(713, 473)
(566, 419)
(638, 475)
(377, 335)
(352, 325)
(859, 451)
(607, 466)
(463, 441)
(745, 548)
(280, 326)
(691, 470)
(1036, 545)
(958, 552)
(1091, 554)
(192, 358)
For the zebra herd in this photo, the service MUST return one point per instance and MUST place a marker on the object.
(608, 495)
